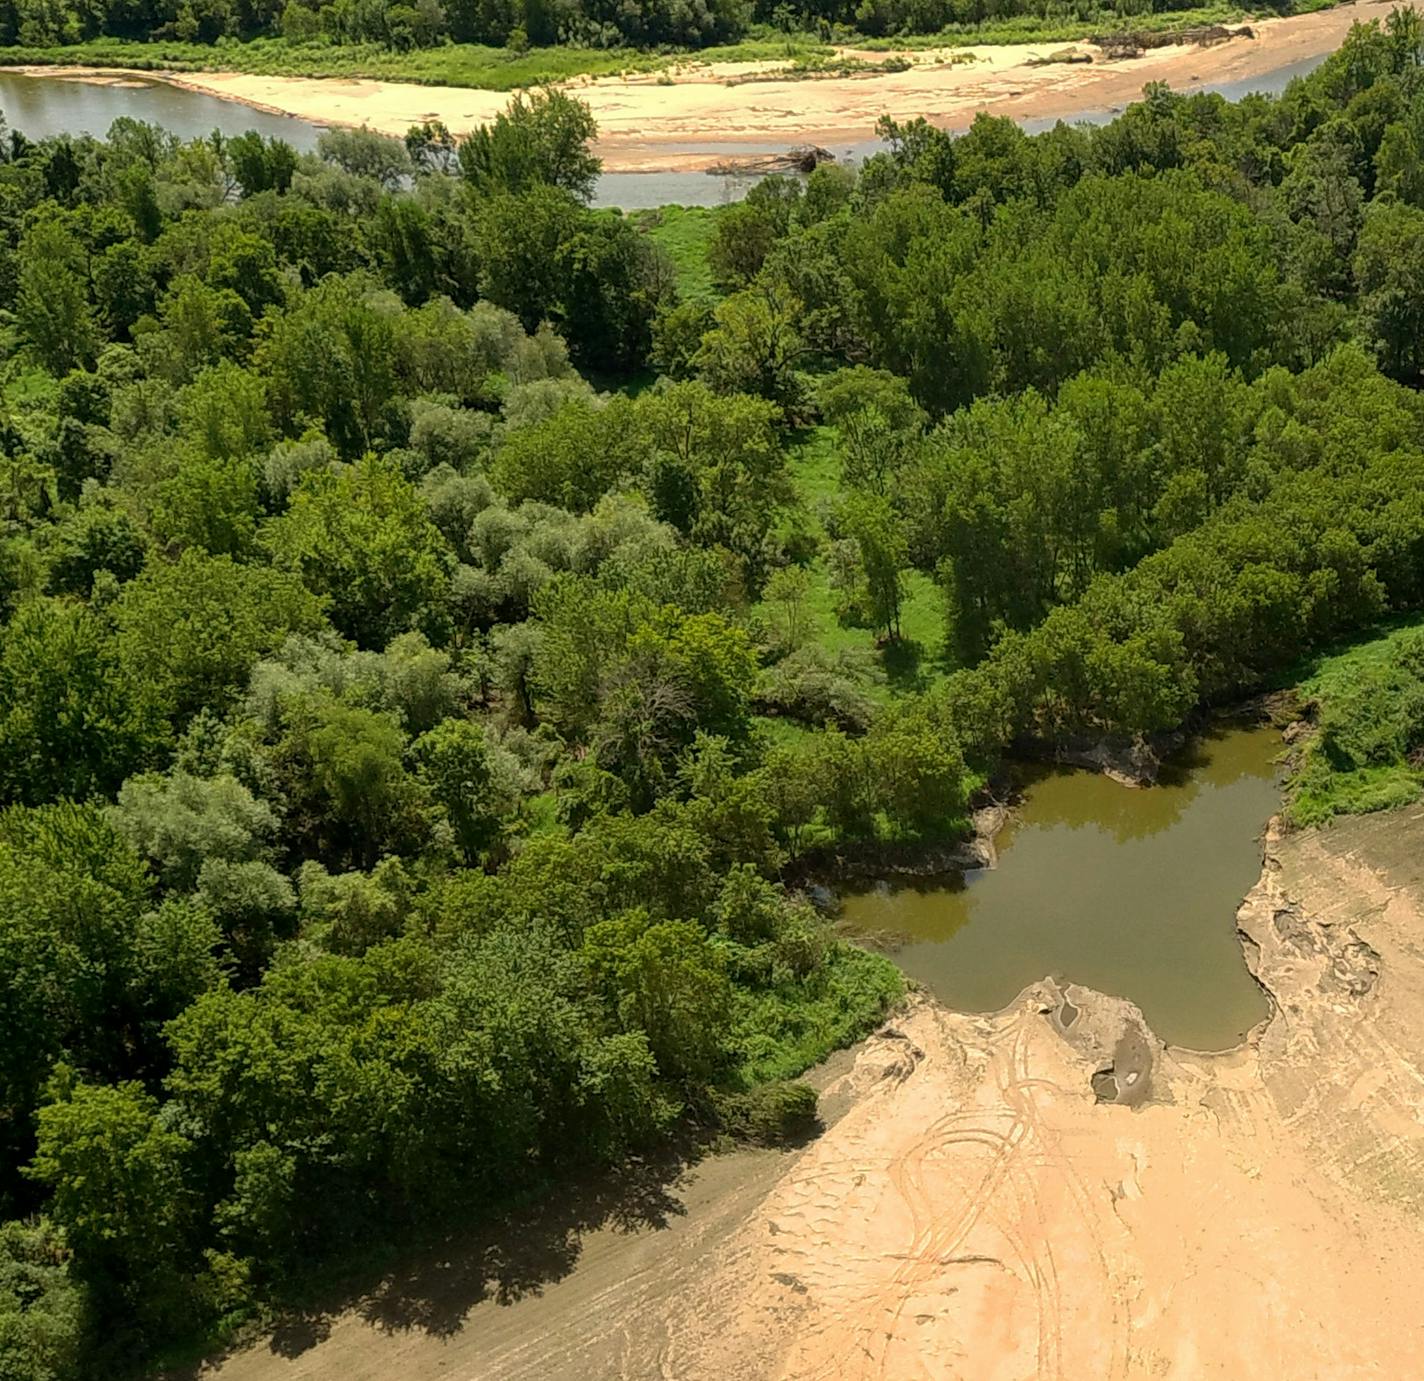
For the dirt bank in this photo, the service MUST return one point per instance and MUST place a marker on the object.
(643, 119)
(1043, 1193)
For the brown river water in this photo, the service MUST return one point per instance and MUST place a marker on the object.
(1129, 891)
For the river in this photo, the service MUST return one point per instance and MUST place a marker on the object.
(42, 105)
(1130, 892)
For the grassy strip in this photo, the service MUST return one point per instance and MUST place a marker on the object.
(683, 233)
(501, 69)
(1031, 28)
(1368, 701)
(454, 64)
(465, 65)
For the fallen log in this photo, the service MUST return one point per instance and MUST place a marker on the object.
(805, 159)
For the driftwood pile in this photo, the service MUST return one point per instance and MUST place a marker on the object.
(1128, 43)
(805, 159)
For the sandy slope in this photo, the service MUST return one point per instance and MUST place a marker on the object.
(974, 1211)
(642, 121)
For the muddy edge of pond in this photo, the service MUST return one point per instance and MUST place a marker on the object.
(1110, 1033)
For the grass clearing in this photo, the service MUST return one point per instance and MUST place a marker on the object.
(916, 660)
(27, 386)
(683, 233)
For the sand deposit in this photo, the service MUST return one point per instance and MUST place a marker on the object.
(643, 119)
(978, 1210)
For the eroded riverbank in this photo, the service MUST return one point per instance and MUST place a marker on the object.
(656, 122)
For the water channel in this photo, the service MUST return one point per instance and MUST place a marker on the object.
(1132, 892)
(41, 106)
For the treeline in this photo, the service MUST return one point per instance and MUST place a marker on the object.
(519, 23)
(403, 742)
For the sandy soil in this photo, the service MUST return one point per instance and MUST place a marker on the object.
(1044, 1193)
(642, 121)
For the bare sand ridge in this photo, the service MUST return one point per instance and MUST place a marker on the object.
(977, 1210)
(642, 120)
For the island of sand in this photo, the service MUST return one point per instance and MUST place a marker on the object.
(645, 122)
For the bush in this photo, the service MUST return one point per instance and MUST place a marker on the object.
(41, 1308)
(1369, 702)
(773, 1114)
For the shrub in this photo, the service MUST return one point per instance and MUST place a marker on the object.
(773, 1114)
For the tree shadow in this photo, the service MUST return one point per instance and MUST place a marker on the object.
(432, 1285)
(903, 660)
(298, 1330)
(505, 1261)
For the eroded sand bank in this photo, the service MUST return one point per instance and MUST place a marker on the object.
(975, 1211)
(641, 120)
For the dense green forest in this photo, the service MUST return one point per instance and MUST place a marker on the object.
(584, 24)
(442, 621)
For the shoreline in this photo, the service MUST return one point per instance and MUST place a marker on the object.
(641, 116)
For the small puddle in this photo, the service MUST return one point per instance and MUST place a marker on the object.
(1131, 892)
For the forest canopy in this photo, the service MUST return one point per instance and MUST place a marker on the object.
(516, 24)
(437, 646)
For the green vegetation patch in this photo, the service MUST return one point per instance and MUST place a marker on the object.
(1036, 28)
(474, 65)
(833, 621)
(783, 1031)
(1368, 753)
(684, 233)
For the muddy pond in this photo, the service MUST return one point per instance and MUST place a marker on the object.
(1129, 891)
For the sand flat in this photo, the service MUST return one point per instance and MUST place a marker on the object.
(639, 117)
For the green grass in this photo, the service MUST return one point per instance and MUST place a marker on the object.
(816, 470)
(1331, 675)
(780, 732)
(542, 814)
(28, 387)
(1357, 762)
(1321, 794)
(1030, 28)
(455, 64)
(916, 660)
(684, 233)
